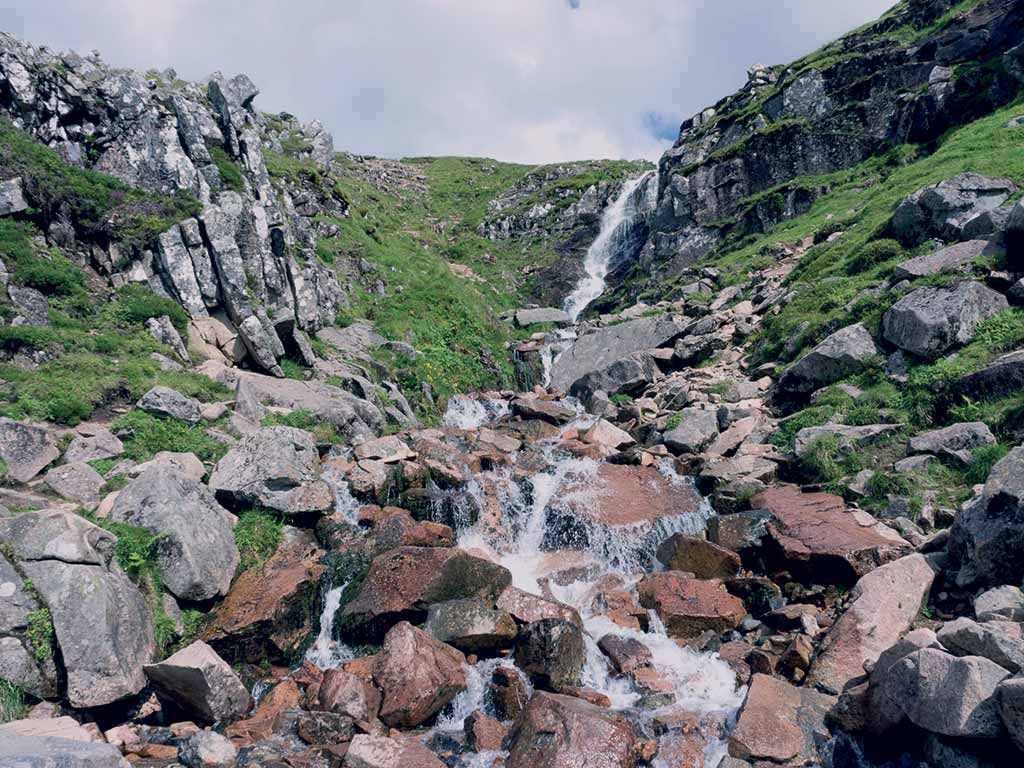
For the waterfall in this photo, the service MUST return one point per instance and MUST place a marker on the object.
(326, 652)
(615, 219)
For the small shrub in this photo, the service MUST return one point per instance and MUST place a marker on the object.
(257, 535)
(823, 458)
(982, 461)
(40, 633)
(52, 274)
(786, 434)
(292, 370)
(674, 421)
(12, 702)
(875, 253)
(621, 399)
(135, 304)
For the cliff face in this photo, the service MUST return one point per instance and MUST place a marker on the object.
(750, 161)
(248, 255)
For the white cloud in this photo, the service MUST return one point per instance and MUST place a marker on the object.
(524, 80)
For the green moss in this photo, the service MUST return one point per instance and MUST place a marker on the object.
(257, 536)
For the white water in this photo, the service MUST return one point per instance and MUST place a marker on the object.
(599, 255)
(472, 413)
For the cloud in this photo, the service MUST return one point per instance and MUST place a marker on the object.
(529, 81)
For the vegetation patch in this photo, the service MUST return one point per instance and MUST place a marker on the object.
(257, 536)
(148, 435)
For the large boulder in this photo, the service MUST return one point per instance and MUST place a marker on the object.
(947, 259)
(956, 441)
(929, 321)
(25, 449)
(884, 603)
(700, 557)
(202, 683)
(689, 607)
(695, 430)
(816, 536)
(207, 749)
(533, 316)
(19, 661)
(164, 401)
(1010, 695)
(70, 563)
(471, 626)
(552, 653)
(417, 675)
(77, 482)
(562, 732)
(276, 467)
(842, 354)
(1003, 376)
(848, 439)
(986, 543)
(998, 641)
(269, 612)
(50, 752)
(1005, 603)
(598, 350)
(196, 544)
(945, 694)
(12, 197)
(404, 582)
(98, 444)
(780, 724)
(942, 210)
(628, 375)
(367, 751)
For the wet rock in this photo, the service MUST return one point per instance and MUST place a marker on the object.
(76, 482)
(688, 606)
(545, 410)
(842, 354)
(196, 546)
(552, 653)
(349, 695)
(166, 402)
(276, 467)
(25, 449)
(269, 611)
(101, 444)
(560, 732)
(998, 641)
(1004, 603)
(508, 691)
(625, 653)
(207, 749)
(696, 429)
(739, 531)
(471, 626)
(527, 608)
(202, 683)
(405, 582)
(942, 210)
(779, 723)
(630, 376)
(397, 528)
(816, 536)
(263, 722)
(417, 675)
(884, 603)
(947, 259)
(698, 556)
(986, 543)
(956, 441)
(947, 695)
(608, 435)
(484, 733)
(1010, 695)
(929, 321)
(759, 595)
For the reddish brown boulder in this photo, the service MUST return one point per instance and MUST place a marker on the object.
(688, 606)
(402, 585)
(779, 723)
(484, 733)
(699, 557)
(563, 732)
(508, 692)
(527, 608)
(417, 675)
(347, 694)
(269, 611)
(552, 652)
(260, 725)
(819, 539)
(623, 495)
(625, 653)
(395, 527)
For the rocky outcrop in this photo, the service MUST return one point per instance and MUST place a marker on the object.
(25, 449)
(931, 321)
(202, 683)
(943, 210)
(842, 354)
(164, 401)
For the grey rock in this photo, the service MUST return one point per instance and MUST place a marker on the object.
(101, 444)
(629, 375)
(164, 401)
(552, 652)
(947, 695)
(247, 403)
(25, 449)
(1003, 376)
(277, 467)
(201, 682)
(196, 546)
(49, 752)
(12, 197)
(842, 354)
(998, 641)
(470, 625)
(956, 441)
(76, 482)
(527, 317)
(913, 464)
(693, 350)
(261, 343)
(207, 749)
(986, 542)
(850, 438)
(943, 260)
(597, 350)
(930, 321)
(176, 263)
(1005, 603)
(33, 308)
(696, 429)
(942, 210)
(1010, 695)
(1014, 236)
(163, 330)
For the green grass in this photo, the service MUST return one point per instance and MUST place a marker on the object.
(257, 536)
(323, 431)
(40, 634)
(150, 435)
(230, 173)
(12, 702)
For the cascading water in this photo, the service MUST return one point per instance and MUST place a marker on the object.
(615, 219)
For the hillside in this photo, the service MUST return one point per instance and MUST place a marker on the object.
(321, 460)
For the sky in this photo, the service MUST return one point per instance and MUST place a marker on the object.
(532, 81)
